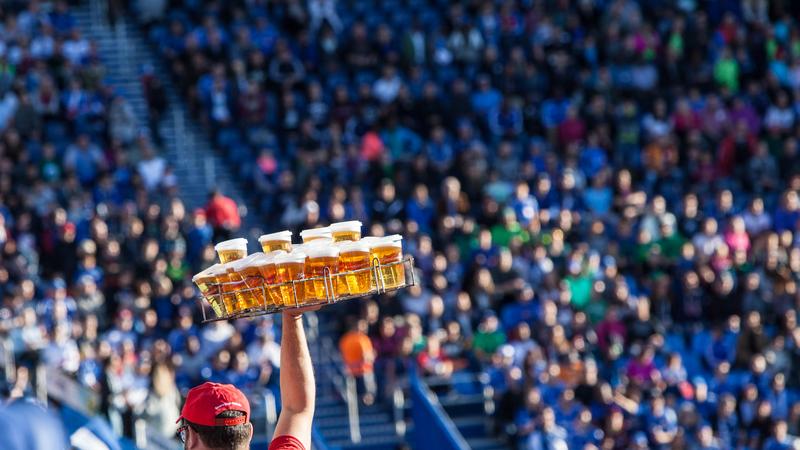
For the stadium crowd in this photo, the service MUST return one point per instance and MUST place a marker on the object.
(601, 197)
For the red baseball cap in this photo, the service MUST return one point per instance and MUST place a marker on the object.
(205, 402)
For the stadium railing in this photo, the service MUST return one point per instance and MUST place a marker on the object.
(432, 426)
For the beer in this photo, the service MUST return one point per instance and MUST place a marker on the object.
(238, 273)
(346, 231)
(321, 257)
(389, 250)
(266, 267)
(291, 267)
(281, 240)
(253, 282)
(315, 233)
(227, 288)
(231, 250)
(354, 260)
(207, 284)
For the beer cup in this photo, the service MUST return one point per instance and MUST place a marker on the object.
(243, 276)
(206, 282)
(265, 264)
(355, 268)
(346, 231)
(291, 267)
(315, 233)
(388, 251)
(321, 257)
(281, 240)
(228, 283)
(231, 250)
(253, 281)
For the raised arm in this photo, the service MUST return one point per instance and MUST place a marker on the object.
(298, 389)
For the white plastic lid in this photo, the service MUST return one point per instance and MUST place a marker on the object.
(352, 225)
(258, 259)
(354, 246)
(232, 244)
(220, 269)
(285, 235)
(209, 271)
(240, 264)
(322, 251)
(293, 257)
(316, 233)
(394, 240)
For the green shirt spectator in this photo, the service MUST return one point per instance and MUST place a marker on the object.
(580, 287)
(726, 71)
(488, 338)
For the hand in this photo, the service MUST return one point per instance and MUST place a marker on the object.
(297, 312)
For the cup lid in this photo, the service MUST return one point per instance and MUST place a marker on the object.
(232, 244)
(351, 225)
(247, 261)
(209, 271)
(285, 235)
(394, 240)
(316, 233)
(354, 246)
(292, 257)
(321, 251)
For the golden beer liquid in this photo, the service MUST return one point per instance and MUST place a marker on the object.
(226, 256)
(271, 246)
(358, 282)
(395, 275)
(254, 297)
(209, 289)
(288, 271)
(315, 268)
(341, 236)
(227, 288)
(244, 297)
(270, 276)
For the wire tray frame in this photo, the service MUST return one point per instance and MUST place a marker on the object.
(220, 301)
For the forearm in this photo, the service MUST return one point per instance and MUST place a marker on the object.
(298, 389)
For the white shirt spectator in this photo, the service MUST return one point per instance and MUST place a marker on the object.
(151, 168)
(76, 49)
(387, 87)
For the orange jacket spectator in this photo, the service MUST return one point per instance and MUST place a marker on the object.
(357, 351)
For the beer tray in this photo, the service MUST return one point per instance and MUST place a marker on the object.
(378, 285)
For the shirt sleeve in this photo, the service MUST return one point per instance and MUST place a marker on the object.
(286, 442)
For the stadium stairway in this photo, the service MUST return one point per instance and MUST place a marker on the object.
(377, 424)
(467, 406)
(186, 147)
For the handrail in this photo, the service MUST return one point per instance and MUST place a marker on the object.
(9, 360)
(345, 384)
(398, 406)
(427, 408)
(271, 412)
(352, 409)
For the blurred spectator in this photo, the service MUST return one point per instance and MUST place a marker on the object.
(359, 358)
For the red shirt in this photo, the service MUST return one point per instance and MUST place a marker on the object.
(286, 442)
(223, 212)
